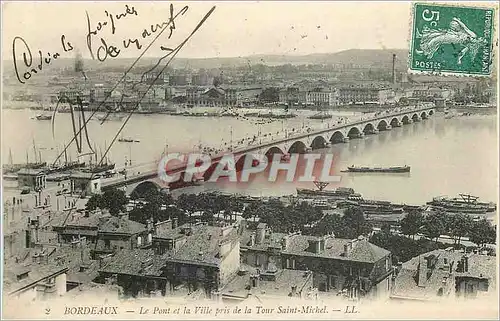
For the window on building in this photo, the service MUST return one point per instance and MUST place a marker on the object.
(107, 244)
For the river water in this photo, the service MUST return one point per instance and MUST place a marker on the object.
(447, 156)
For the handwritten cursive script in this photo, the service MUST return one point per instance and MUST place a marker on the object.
(108, 49)
(21, 48)
(104, 49)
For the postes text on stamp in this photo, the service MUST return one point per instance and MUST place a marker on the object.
(451, 39)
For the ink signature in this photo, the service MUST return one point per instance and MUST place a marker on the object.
(107, 49)
(30, 66)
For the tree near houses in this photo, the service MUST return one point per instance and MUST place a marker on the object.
(112, 199)
(386, 228)
(482, 233)
(434, 225)
(233, 206)
(115, 201)
(152, 207)
(355, 223)
(94, 202)
(412, 223)
(331, 223)
(188, 202)
(270, 95)
(250, 211)
(459, 225)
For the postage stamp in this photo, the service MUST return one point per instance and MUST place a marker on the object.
(451, 39)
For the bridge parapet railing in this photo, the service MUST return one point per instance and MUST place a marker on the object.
(294, 135)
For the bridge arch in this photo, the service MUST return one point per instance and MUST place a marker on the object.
(318, 142)
(337, 137)
(297, 147)
(273, 150)
(423, 115)
(369, 128)
(354, 132)
(431, 112)
(395, 122)
(382, 125)
(144, 188)
(414, 117)
(405, 120)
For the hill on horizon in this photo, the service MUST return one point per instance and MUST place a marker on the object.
(377, 58)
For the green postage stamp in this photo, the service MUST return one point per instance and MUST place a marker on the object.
(448, 39)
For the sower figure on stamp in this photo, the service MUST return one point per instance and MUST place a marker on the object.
(457, 34)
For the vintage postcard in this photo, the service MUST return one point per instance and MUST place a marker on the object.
(249, 160)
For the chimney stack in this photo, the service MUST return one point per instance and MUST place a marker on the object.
(284, 242)
(150, 225)
(261, 233)
(252, 239)
(254, 280)
(422, 271)
(347, 248)
(393, 69)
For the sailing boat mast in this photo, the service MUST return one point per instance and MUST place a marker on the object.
(100, 152)
(107, 154)
(130, 154)
(34, 150)
(65, 157)
(95, 155)
(10, 157)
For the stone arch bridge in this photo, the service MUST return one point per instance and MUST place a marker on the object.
(292, 143)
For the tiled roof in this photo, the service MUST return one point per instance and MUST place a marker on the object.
(365, 251)
(142, 262)
(274, 240)
(68, 257)
(406, 283)
(239, 286)
(74, 260)
(362, 250)
(36, 273)
(102, 221)
(75, 219)
(202, 246)
(120, 225)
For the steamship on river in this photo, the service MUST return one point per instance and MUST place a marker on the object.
(464, 204)
(394, 169)
(348, 197)
(340, 192)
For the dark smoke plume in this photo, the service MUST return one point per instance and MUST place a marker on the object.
(79, 65)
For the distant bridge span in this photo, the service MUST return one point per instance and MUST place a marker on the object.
(291, 143)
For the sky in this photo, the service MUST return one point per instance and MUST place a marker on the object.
(233, 29)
